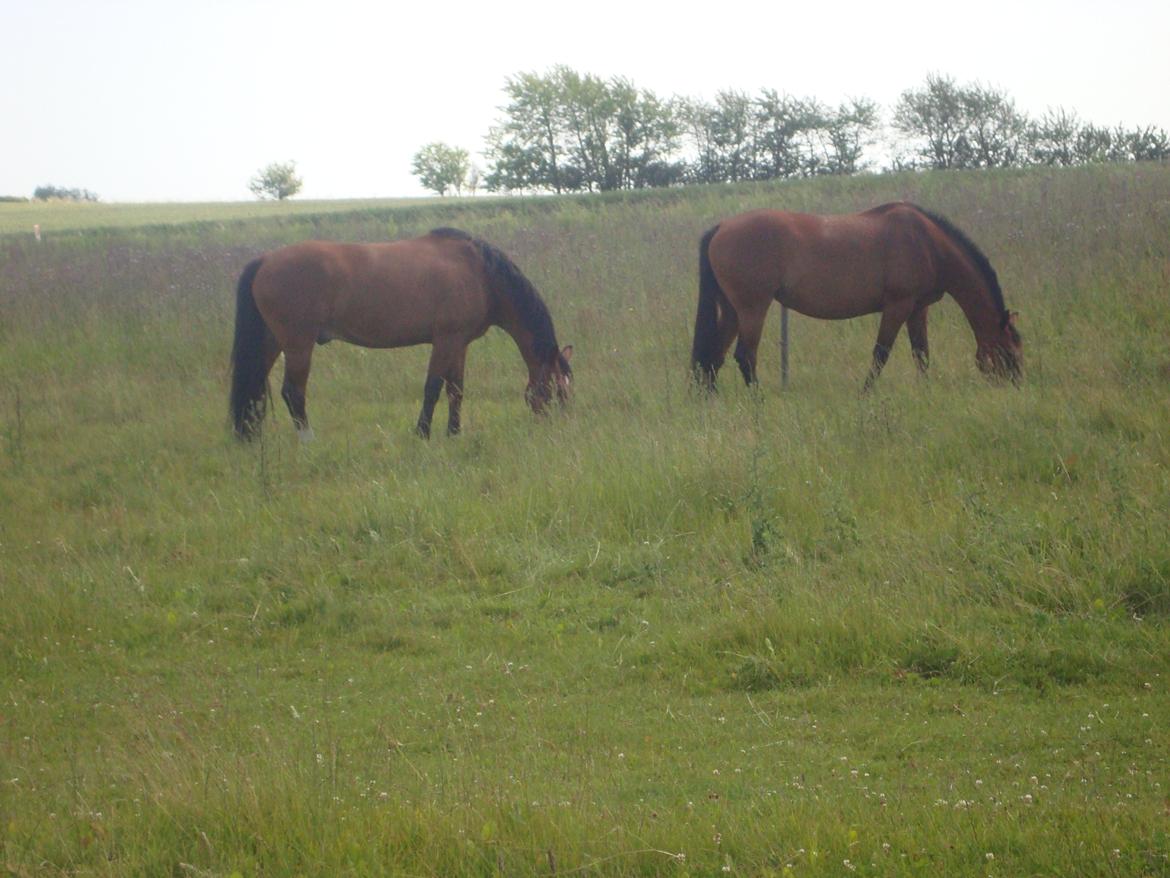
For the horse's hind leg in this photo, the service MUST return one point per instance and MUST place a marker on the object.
(751, 327)
(296, 380)
(726, 331)
(916, 326)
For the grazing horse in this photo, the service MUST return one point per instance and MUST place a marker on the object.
(897, 259)
(446, 288)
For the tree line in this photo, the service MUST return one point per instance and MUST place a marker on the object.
(563, 131)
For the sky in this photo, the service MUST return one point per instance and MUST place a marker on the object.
(164, 101)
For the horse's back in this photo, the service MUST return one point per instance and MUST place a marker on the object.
(827, 266)
(378, 295)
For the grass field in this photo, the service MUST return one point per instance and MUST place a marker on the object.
(63, 217)
(793, 632)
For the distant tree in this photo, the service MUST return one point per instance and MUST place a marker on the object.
(780, 128)
(644, 132)
(527, 150)
(848, 130)
(441, 168)
(60, 193)
(953, 126)
(996, 132)
(732, 124)
(585, 108)
(277, 181)
(933, 116)
(565, 132)
(1147, 144)
(1052, 139)
(697, 118)
(722, 135)
(775, 136)
(1059, 138)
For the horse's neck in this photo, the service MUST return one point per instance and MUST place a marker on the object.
(509, 321)
(969, 288)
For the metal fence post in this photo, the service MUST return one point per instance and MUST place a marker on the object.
(783, 346)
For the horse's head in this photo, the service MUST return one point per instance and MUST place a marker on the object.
(1001, 354)
(549, 377)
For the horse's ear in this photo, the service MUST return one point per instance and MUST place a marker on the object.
(567, 352)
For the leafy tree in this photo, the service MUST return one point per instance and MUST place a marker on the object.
(1147, 144)
(934, 117)
(995, 130)
(698, 121)
(1052, 139)
(585, 108)
(279, 181)
(732, 122)
(526, 151)
(847, 131)
(441, 168)
(566, 132)
(645, 134)
(723, 136)
(1094, 144)
(781, 128)
(60, 193)
(955, 126)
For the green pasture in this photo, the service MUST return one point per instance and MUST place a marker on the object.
(66, 217)
(787, 632)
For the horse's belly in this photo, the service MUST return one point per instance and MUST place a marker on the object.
(406, 324)
(831, 304)
(380, 336)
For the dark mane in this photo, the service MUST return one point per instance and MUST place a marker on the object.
(508, 280)
(981, 262)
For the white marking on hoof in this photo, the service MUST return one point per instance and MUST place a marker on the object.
(306, 435)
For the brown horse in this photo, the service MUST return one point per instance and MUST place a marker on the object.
(897, 259)
(446, 288)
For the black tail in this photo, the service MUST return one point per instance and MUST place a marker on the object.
(706, 358)
(249, 369)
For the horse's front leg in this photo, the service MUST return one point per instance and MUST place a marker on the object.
(454, 377)
(916, 327)
(444, 356)
(893, 316)
(431, 390)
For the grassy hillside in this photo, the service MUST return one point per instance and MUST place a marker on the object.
(796, 631)
(17, 219)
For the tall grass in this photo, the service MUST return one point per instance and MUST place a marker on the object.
(921, 632)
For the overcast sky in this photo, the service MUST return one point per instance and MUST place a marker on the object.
(162, 101)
